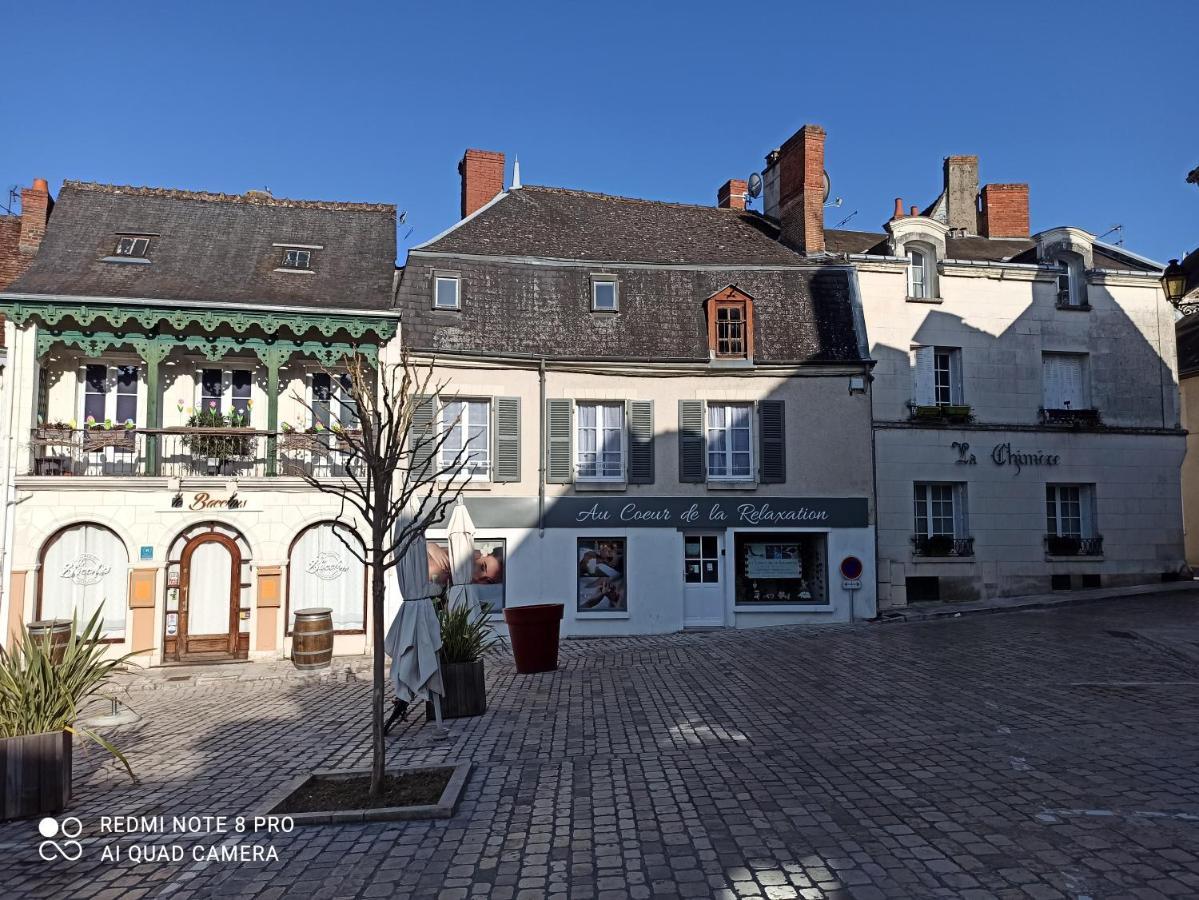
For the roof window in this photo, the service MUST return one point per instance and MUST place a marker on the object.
(132, 246)
(295, 258)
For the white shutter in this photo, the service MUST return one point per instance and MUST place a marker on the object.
(1051, 377)
(1072, 381)
(1086, 505)
(925, 378)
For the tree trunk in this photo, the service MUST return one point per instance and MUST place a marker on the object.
(377, 591)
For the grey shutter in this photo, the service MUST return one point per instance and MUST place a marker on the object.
(641, 441)
(925, 392)
(421, 436)
(772, 442)
(559, 459)
(507, 439)
(692, 464)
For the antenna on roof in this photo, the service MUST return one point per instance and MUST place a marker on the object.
(846, 219)
(1113, 230)
(14, 195)
(515, 175)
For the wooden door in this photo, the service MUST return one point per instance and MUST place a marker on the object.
(209, 598)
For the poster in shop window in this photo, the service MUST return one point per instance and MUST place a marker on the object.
(487, 571)
(601, 581)
(773, 561)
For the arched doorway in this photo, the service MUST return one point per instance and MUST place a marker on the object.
(207, 579)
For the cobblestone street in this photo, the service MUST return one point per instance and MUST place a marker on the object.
(1038, 754)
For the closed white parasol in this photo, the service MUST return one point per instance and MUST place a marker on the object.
(461, 532)
(414, 638)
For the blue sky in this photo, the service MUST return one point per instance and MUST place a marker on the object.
(1092, 104)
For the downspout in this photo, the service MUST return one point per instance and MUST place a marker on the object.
(541, 447)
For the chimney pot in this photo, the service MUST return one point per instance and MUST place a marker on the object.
(898, 214)
(731, 194)
(40, 184)
(915, 211)
(482, 174)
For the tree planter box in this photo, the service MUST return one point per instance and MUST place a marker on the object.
(465, 691)
(35, 775)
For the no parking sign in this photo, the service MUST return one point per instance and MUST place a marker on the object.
(851, 573)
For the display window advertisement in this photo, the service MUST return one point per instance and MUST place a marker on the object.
(488, 566)
(602, 583)
(780, 568)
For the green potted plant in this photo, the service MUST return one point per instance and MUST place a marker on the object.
(216, 449)
(466, 635)
(99, 435)
(40, 700)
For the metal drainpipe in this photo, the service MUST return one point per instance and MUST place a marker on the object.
(874, 484)
(541, 447)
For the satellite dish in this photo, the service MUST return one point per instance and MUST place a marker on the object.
(754, 185)
(828, 187)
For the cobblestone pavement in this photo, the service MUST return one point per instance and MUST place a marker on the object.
(1034, 755)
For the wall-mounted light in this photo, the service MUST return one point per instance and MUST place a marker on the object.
(1174, 282)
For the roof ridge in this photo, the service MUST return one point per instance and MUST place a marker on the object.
(254, 199)
(596, 195)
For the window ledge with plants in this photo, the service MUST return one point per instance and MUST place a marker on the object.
(942, 413)
(1069, 548)
(1072, 418)
(942, 547)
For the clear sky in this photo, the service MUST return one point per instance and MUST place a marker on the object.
(1094, 104)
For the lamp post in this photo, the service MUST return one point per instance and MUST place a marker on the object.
(1174, 285)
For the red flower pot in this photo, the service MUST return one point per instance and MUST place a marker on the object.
(533, 631)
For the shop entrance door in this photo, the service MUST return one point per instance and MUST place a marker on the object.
(209, 598)
(703, 589)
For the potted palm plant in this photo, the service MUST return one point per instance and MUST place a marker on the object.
(40, 700)
(466, 635)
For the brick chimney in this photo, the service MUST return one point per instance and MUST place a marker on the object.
(482, 174)
(961, 192)
(731, 194)
(1004, 212)
(801, 190)
(35, 212)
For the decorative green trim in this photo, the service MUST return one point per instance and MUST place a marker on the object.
(271, 353)
(149, 317)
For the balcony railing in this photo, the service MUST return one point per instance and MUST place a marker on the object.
(184, 452)
(942, 546)
(1076, 418)
(1058, 545)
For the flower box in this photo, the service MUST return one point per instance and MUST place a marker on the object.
(97, 439)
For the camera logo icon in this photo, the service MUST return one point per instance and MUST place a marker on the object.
(69, 848)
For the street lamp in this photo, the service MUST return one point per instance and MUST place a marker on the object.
(1174, 282)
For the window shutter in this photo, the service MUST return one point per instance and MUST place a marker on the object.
(772, 437)
(1071, 368)
(961, 513)
(925, 377)
(507, 439)
(691, 441)
(641, 441)
(421, 436)
(559, 461)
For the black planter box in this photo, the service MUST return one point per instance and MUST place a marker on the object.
(35, 775)
(465, 691)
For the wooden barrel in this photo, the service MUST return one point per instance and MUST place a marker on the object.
(59, 631)
(312, 639)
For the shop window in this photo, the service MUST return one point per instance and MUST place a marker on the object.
(466, 425)
(602, 581)
(488, 570)
(323, 571)
(780, 568)
(85, 568)
(599, 453)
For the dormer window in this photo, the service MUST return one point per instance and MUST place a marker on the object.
(604, 296)
(917, 274)
(295, 258)
(133, 246)
(730, 325)
(1071, 283)
(447, 290)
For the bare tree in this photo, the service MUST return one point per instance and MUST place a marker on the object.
(392, 472)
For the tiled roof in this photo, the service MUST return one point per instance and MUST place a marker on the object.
(563, 224)
(214, 248)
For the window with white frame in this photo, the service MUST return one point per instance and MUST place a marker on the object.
(1071, 281)
(599, 441)
(297, 258)
(466, 425)
(446, 292)
(131, 245)
(110, 394)
(938, 376)
(333, 402)
(1064, 381)
(918, 274)
(940, 509)
(1070, 510)
(730, 441)
(603, 294)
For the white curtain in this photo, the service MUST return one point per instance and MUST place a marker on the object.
(87, 567)
(209, 577)
(325, 573)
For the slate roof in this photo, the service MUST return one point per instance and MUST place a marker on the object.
(563, 224)
(214, 249)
